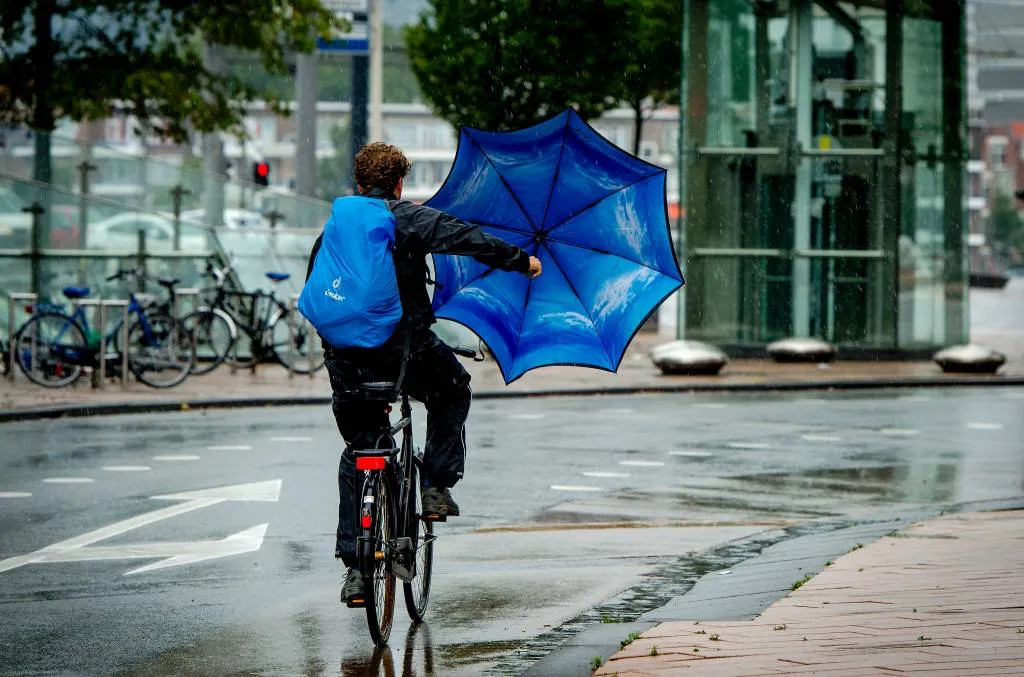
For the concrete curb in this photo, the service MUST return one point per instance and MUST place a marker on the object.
(138, 407)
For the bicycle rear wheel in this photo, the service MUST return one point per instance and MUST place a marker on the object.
(417, 591)
(161, 351)
(303, 342)
(376, 556)
(50, 349)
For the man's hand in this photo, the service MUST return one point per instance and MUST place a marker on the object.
(535, 267)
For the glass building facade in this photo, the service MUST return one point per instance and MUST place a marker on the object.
(823, 151)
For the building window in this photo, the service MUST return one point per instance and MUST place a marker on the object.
(997, 152)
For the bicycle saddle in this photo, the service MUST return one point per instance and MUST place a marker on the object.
(379, 390)
(163, 282)
(76, 292)
(278, 277)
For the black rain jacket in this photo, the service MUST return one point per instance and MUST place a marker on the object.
(420, 231)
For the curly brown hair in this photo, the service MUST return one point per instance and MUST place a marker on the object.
(380, 165)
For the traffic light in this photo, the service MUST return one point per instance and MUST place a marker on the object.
(261, 173)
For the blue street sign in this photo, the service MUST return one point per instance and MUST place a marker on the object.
(353, 45)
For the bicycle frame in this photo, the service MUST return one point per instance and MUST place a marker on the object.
(401, 460)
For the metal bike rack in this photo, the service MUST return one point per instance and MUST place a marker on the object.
(185, 292)
(99, 375)
(294, 313)
(12, 300)
(123, 305)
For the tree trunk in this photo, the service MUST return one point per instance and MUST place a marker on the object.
(638, 124)
(42, 76)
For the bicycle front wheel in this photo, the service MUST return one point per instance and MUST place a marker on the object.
(417, 591)
(378, 549)
(214, 336)
(161, 351)
(303, 342)
(50, 349)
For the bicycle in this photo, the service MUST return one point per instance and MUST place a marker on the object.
(52, 348)
(262, 331)
(213, 330)
(395, 538)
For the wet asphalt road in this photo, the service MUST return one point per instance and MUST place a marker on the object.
(674, 474)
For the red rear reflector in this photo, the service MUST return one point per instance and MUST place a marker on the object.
(28, 309)
(370, 462)
(366, 521)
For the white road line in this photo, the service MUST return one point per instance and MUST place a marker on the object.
(1015, 395)
(900, 432)
(570, 487)
(606, 474)
(526, 417)
(230, 447)
(750, 445)
(126, 468)
(68, 480)
(690, 453)
(617, 411)
(711, 405)
(643, 464)
(915, 398)
(985, 426)
(291, 439)
(176, 457)
(14, 494)
(821, 438)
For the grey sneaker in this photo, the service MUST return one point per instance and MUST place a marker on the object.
(439, 502)
(352, 591)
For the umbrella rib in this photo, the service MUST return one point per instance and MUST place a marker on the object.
(578, 297)
(558, 168)
(598, 201)
(505, 183)
(548, 238)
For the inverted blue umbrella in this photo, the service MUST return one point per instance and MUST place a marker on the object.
(596, 218)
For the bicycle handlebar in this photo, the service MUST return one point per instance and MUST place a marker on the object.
(465, 352)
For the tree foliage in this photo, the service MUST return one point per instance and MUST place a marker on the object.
(654, 59)
(1007, 226)
(504, 64)
(90, 59)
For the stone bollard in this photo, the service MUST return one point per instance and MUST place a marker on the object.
(802, 350)
(969, 359)
(688, 358)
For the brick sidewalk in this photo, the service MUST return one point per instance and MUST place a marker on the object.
(636, 371)
(945, 597)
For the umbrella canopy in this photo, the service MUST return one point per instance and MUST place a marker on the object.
(593, 214)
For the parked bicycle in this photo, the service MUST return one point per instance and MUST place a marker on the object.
(247, 328)
(53, 347)
(396, 539)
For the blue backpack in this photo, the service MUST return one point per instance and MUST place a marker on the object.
(351, 296)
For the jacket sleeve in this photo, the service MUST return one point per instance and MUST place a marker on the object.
(440, 233)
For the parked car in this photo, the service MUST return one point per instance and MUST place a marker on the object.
(120, 233)
(233, 218)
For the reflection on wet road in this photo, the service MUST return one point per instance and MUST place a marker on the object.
(569, 504)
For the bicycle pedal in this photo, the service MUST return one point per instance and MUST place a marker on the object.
(355, 603)
(435, 517)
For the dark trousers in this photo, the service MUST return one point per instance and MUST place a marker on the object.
(434, 377)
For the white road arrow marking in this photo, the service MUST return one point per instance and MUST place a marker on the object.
(187, 553)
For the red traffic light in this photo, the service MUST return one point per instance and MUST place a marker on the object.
(261, 173)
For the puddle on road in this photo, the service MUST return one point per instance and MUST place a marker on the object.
(929, 481)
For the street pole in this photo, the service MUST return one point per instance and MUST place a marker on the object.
(213, 159)
(359, 82)
(376, 131)
(305, 146)
(84, 168)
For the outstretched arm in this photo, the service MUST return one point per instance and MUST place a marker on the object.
(440, 233)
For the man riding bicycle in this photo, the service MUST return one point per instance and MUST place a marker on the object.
(433, 375)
